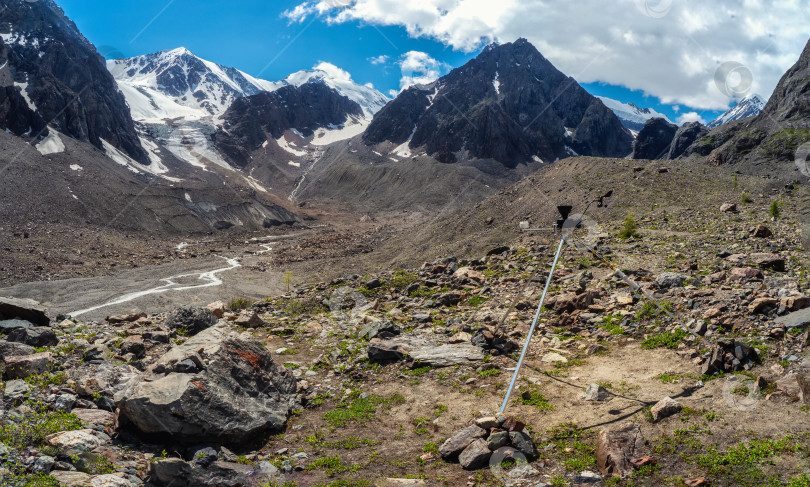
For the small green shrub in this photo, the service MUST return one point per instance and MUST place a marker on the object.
(775, 209)
(630, 229)
(240, 304)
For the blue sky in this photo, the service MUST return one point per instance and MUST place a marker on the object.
(251, 35)
(257, 37)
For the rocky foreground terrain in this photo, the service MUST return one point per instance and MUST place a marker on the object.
(697, 377)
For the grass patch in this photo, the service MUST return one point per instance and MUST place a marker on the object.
(488, 373)
(332, 466)
(534, 398)
(669, 340)
(359, 410)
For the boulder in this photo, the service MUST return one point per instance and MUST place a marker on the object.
(769, 261)
(37, 336)
(23, 309)
(664, 408)
(745, 273)
(7, 326)
(728, 208)
(447, 355)
(71, 479)
(461, 440)
(133, 345)
(380, 329)
(797, 319)
(385, 351)
(81, 440)
(497, 440)
(21, 366)
(16, 390)
(12, 349)
(217, 308)
(95, 416)
(669, 280)
(190, 319)
(615, 449)
(796, 386)
(423, 352)
(248, 319)
(174, 472)
(761, 231)
(524, 443)
(469, 273)
(448, 299)
(762, 305)
(238, 395)
(475, 456)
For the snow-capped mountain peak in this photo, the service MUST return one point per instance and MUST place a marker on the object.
(631, 115)
(369, 99)
(750, 106)
(176, 83)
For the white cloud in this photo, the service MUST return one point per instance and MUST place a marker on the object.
(378, 59)
(690, 117)
(420, 68)
(333, 71)
(669, 49)
(299, 13)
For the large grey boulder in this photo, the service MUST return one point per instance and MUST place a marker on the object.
(423, 351)
(669, 280)
(235, 392)
(23, 309)
(7, 326)
(14, 349)
(797, 319)
(190, 319)
(37, 336)
(174, 472)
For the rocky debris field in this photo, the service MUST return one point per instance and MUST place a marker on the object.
(674, 356)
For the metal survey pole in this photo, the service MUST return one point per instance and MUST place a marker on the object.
(534, 324)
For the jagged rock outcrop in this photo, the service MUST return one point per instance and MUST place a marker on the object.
(252, 120)
(654, 140)
(686, 135)
(51, 75)
(509, 104)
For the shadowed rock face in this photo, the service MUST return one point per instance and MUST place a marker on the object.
(509, 104)
(251, 120)
(66, 81)
(215, 387)
(686, 135)
(654, 140)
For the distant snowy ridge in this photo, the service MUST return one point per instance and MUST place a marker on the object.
(750, 106)
(177, 84)
(631, 116)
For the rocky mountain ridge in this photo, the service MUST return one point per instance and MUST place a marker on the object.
(508, 104)
(53, 77)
